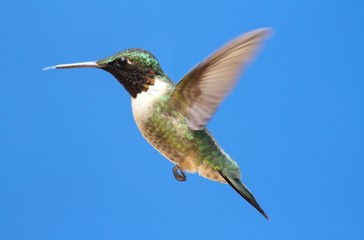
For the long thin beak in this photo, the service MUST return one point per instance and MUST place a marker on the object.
(75, 65)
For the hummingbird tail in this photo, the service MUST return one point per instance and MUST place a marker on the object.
(243, 191)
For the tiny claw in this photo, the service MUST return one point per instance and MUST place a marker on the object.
(178, 173)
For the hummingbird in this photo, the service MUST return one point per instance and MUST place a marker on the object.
(173, 117)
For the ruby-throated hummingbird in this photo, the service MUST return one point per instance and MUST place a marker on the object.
(173, 117)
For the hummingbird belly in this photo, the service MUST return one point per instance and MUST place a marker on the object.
(193, 151)
(182, 149)
(167, 131)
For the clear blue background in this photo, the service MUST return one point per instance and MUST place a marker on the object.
(74, 166)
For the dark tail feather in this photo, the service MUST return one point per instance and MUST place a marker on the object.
(243, 191)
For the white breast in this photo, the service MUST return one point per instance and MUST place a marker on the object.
(142, 104)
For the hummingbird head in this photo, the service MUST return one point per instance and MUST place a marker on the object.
(134, 68)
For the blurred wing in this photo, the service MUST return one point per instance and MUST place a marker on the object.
(201, 91)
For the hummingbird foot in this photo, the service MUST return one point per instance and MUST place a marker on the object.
(179, 174)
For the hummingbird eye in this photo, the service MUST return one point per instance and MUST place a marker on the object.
(122, 61)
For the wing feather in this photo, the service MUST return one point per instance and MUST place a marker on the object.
(201, 90)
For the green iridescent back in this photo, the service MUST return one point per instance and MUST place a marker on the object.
(168, 131)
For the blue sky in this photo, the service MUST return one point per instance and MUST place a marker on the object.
(74, 166)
